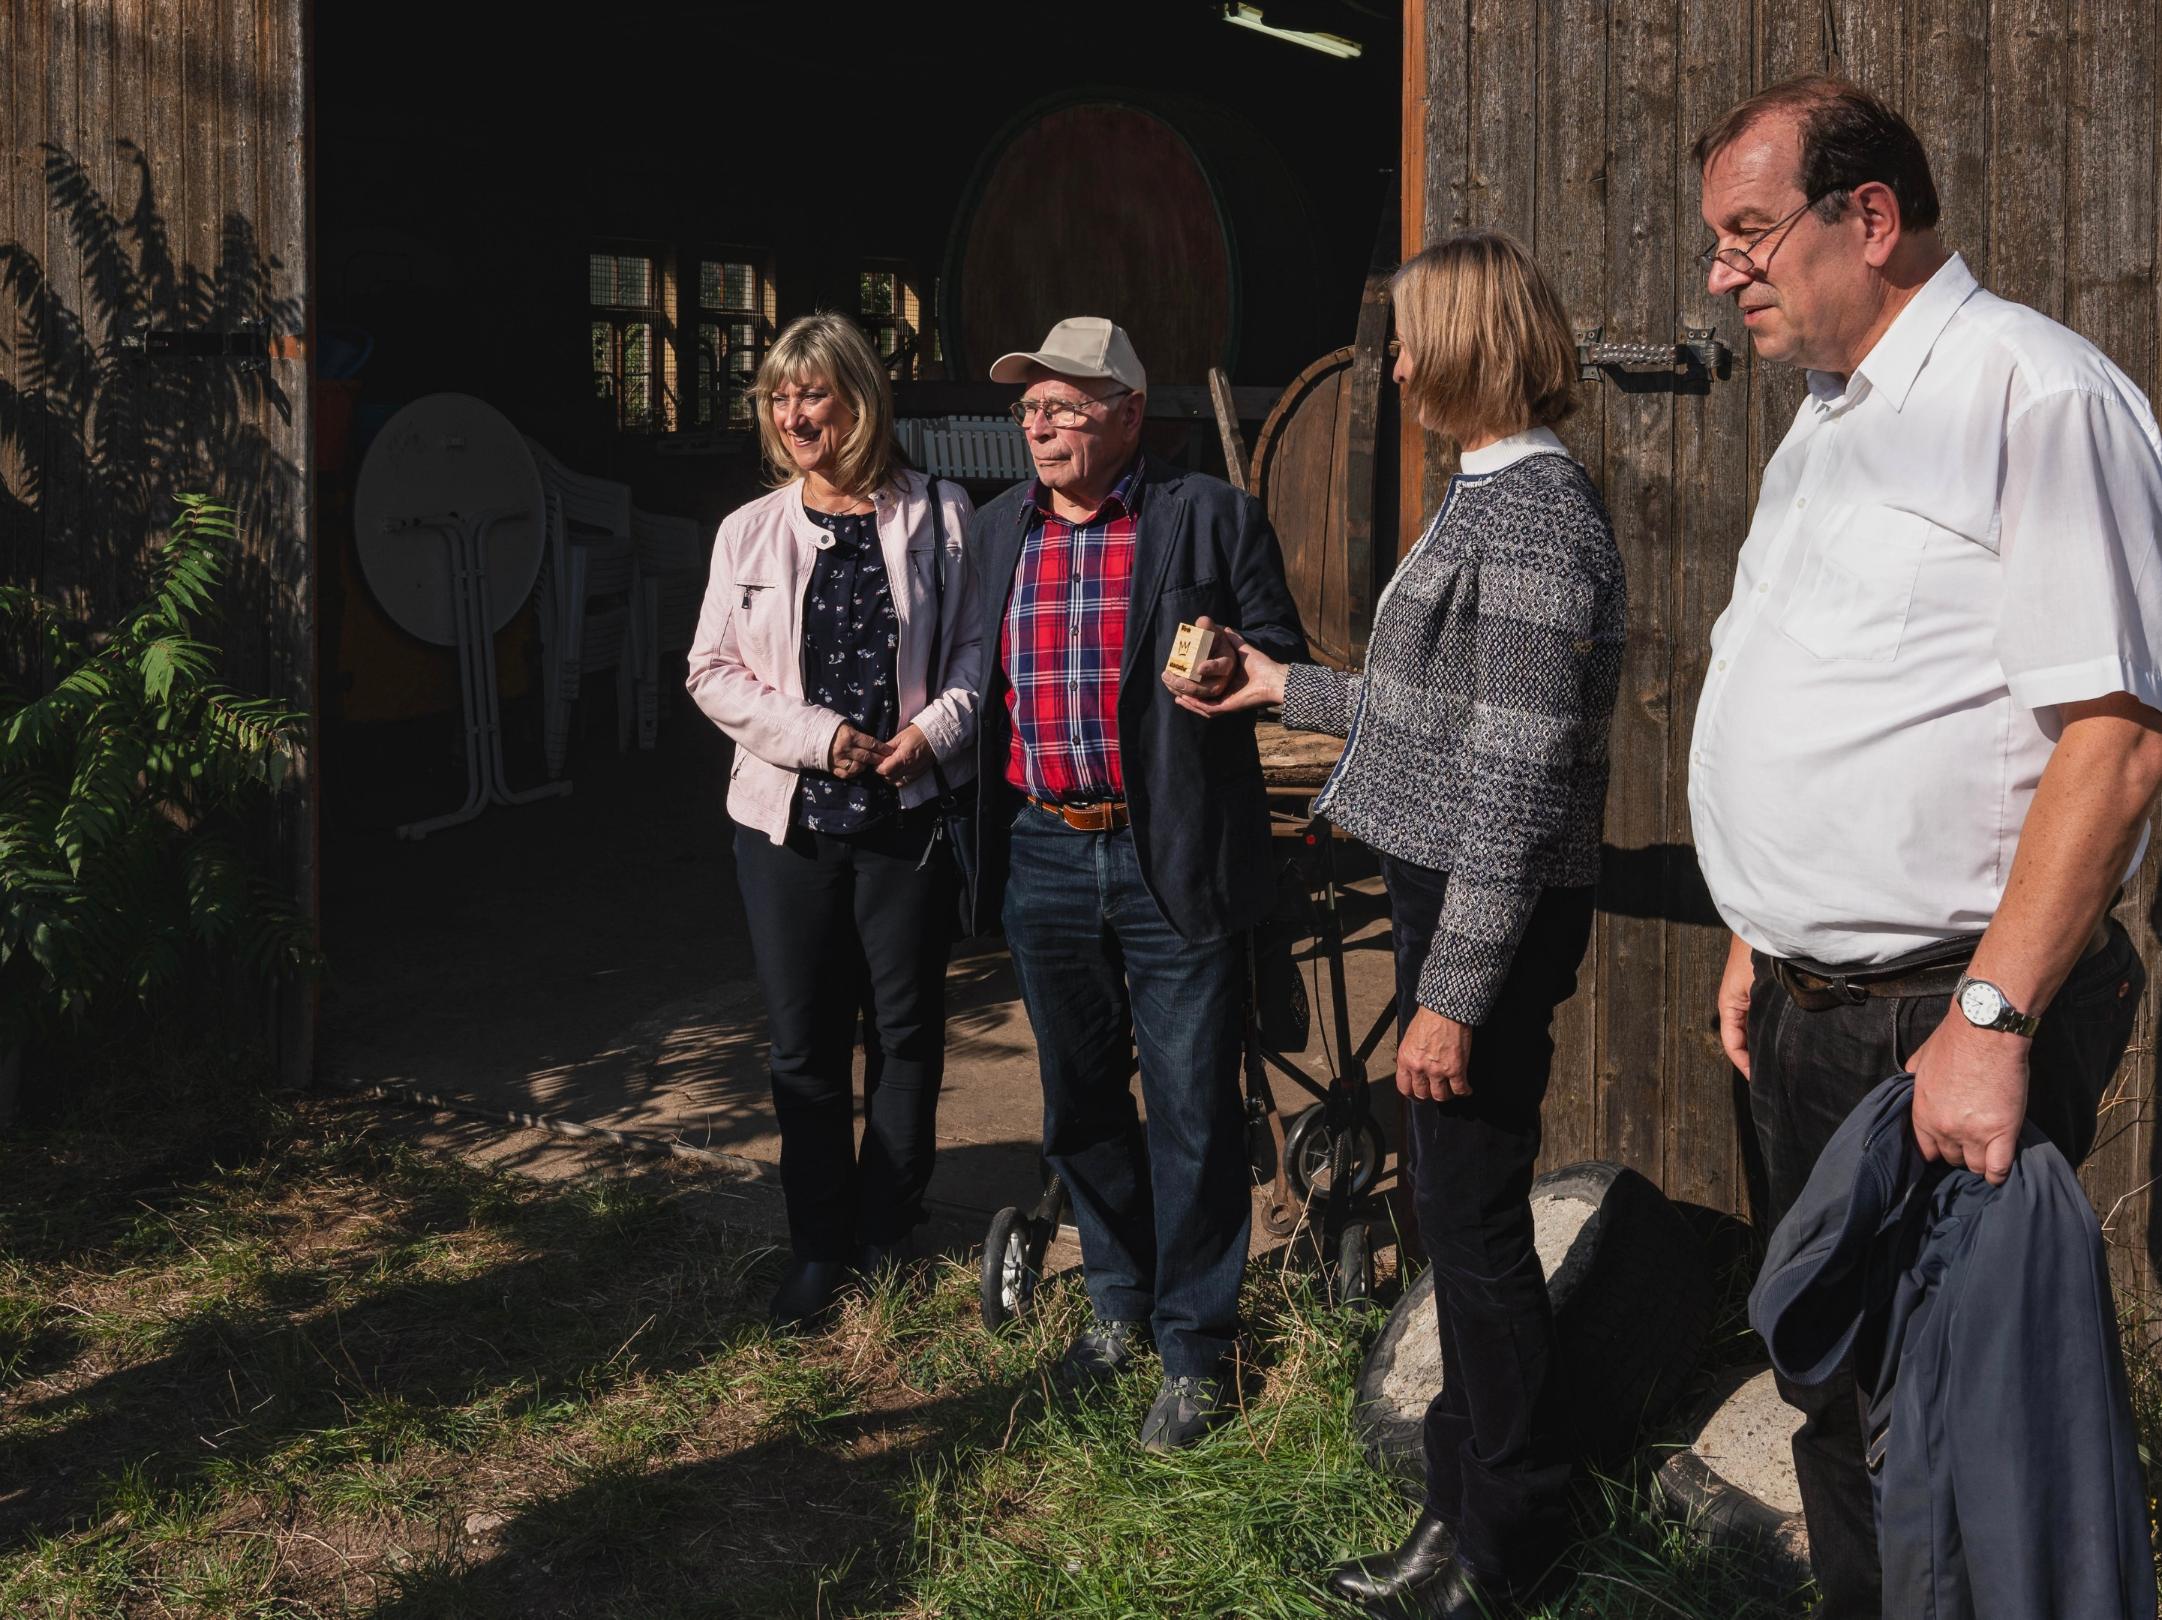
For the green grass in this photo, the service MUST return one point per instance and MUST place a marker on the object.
(1070, 1518)
(306, 1369)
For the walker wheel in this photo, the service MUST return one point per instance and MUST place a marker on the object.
(1309, 1147)
(1011, 1266)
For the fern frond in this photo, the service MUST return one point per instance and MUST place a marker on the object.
(100, 798)
(173, 658)
(120, 785)
(259, 738)
(217, 888)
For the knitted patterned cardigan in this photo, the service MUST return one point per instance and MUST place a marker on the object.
(1477, 733)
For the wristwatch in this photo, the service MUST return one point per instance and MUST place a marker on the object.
(1986, 1007)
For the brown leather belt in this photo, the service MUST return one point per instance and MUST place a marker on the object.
(1105, 815)
(1934, 970)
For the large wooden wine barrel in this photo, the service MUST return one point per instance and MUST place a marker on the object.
(1175, 219)
(1317, 467)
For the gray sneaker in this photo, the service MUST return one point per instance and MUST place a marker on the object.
(1185, 1410)
(1100, 1353)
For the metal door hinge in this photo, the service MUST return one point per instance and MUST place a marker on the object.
(1695, 357)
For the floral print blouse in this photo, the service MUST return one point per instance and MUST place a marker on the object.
(850, 633)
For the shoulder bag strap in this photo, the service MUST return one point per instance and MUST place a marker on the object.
(933, 669)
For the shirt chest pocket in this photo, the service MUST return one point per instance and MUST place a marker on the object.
(1855, 583)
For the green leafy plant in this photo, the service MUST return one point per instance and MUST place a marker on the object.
(133, 788)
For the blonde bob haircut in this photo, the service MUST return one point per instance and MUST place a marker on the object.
(1489, 340)
(832, 350)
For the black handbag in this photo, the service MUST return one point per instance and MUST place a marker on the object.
(955, 824)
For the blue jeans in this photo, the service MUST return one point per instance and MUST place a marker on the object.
(1163, 1215)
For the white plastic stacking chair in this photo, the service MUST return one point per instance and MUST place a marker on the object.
(668, 586)
(999, 448)
(587, 584)
(982, 448)
(938, 452)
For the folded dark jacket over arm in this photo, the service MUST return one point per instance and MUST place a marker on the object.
(1984, 1337)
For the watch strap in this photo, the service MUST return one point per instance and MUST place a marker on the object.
(2009, 1018)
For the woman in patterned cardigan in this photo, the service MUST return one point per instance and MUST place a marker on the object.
(1475, 762)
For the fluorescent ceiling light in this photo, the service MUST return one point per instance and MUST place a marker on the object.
(1328, 44)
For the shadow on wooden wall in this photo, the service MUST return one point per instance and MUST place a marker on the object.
(151, 380)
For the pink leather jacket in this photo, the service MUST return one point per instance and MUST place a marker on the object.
(746, 661)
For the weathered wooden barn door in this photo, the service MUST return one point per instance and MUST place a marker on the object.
(1569, 122)
(153, 316)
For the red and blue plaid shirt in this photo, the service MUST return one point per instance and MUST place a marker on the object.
(1064, 637)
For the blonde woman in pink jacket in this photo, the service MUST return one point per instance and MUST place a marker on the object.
(830, 601)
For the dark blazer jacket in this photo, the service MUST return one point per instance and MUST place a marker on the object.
(1984, 1337)
(1193, 785)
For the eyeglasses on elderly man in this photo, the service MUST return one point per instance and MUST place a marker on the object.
(1060, 413)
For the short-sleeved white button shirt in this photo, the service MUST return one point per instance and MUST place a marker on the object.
(1949, 543)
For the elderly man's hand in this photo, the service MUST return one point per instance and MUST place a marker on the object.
(1213, 677)
(1970, 1095)
(1433, 1060)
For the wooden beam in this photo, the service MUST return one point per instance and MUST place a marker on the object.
(1227, 424)
(1411, 234)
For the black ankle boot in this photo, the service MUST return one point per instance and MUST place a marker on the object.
(808, 1292)
(1381, 1577)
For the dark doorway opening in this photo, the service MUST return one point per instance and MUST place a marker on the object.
(594, 230)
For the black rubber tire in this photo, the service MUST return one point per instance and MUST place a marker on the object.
(1722, 1513)
(1353, 1283)
(1307, 1147)
(1632, 1306)
(1007, 1281)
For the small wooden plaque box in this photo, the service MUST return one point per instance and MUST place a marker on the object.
(1192, 647)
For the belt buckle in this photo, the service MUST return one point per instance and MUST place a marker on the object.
(1813, 992)
(1096, 816)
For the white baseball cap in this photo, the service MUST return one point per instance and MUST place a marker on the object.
(1079, 346)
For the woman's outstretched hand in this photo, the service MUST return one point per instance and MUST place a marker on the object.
(1257, 681)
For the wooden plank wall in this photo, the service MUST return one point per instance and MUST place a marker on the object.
(157, 177)
(1569, 122)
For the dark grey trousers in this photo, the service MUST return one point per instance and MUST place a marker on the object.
(1808, 1071)
(840, 925)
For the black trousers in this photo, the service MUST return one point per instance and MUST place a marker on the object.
(1808, 1071)
(1497, 1447)
(838, 925)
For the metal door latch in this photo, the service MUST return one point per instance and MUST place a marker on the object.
(1696, 354)
(248, 344)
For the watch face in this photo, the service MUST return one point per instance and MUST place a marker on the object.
(1981, 1003)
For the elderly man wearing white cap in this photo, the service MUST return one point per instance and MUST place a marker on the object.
(1130, 838)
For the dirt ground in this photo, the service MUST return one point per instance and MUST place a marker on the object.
(585, 958)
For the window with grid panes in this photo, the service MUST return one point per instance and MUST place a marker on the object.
(629, 298)
(735, 324)
(889, 311)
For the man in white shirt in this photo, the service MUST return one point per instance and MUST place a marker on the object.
(1928, 739)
